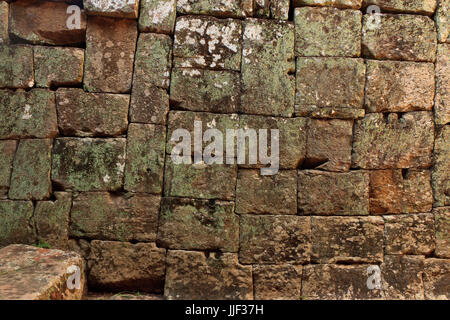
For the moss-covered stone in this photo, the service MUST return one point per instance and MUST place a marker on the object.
(275, 9)
(207, 42)
(118, 9)
(219, 8)
(353, 4)
(330, 82)
(441, 168)
(409, 6)
(442, 100)
(57, 66)
(205, 90)
(268, 88)
(4, 12)
(88, 164)
(7, 150)
(145, 158)
(347, 239)
(409, 234)
(105, 216)
(274, 239)
(198, 225)
(16, 66)
(274, 195)
(157, 16)
(110, 49)
(277, 282)
(328, 32)
(396, 38)
(16, 224)
(442, 18)
(52, 220)
(326, 193)
(442, 223)
(383, 141)
(30, 178)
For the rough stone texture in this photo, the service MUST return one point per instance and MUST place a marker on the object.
(292, 137)
(149, 104)
(329, 112)
(88, 164)
(126, 266)
(207, 42)
(328, 32)
(400, 37)
(345, 194)
(394, 192)
(268, 88)
(52, 220)
(274, 195)
(110, 49)
(198, 225)
(205, 90)
(29, 273)
(57, 66)
(118, 8)
(16, 66)
(442, 18)
(200, 181)
(277, 282)
(30, 178)
(410, 6)
(353, 4)
(402, 277)
(105, 216)
(195, 275)
(329, 144)
(157, 16)
(330, 82)
(4, 11)
(7, 150)
(145, 158)
(91, 114)
(274, 239)
(348, 282)
(275, 9)
(220, 8)
(43, 22)
(347, 239)
(442, 100)
(409, 234)
(440, 173)
(399, 86)
(16, 224)
(437, 279)
(384, 141)
(442, 223)
(28, 114)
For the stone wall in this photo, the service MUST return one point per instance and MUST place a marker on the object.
(362, 104)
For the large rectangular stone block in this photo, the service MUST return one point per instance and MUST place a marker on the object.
(353, 4)
(157, 16)
(148, 104)
(236, 8)
(198, 225)
(4, 12)
(277, 282)
(442, 17)
(436, 279)
(442, 224)
(7, 150)
(16, 66)
(16, 222)
(118, 9)
(411, 6)
(441, 169)
(442, 100)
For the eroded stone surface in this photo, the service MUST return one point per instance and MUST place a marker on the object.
(198, 225)
(274, 239)
(149, 104)
(442, 18)
(399, 86)
(91, 114)
(410, 6)
(157, 16)
(105, 216)
(7, 150)
(16, 222)
(329, 112)
(442, 223)
(384, 141)
(4, 11)
(442, 100)
(396, 38)
(30, 273)
(440, 173)
(220, 8)
(194, 275)
(353, 4)
(16, 66)
(126, 266)
(117, 8)
(277, 282)
(437, 279)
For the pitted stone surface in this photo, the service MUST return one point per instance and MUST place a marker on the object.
(157, 16)
(16, 66)
(353, 4)
(442, 100)
(114, 8)
(410, 6)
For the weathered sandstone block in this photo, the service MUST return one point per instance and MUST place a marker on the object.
(274, 239)
(157, 16)
(198, 224)
(442, 18)
(442, 223)
(91, 114)
(105, 216)
(442, 100)
(277, 282)
(396, 38)
(145, 158)
(16, 222)
(388, 141)
(88, 164)
(236, 8)
(195, 275)
(7, 150)
(315, 112)
(436, 279)
(399, 86)
(148, 104)
(4, 12)
(327, 193)
(16, 66)
(273, 195)
(409, 234)
(30, 273)
(440, 173)
(275, 9)
(30, 178)
(347, 239)
(268, 88)
(411, 6)
(118, 8)
(328, 32)
(126, 266)
(353, 4)
(110, 49)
